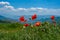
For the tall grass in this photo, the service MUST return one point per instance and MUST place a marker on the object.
(15, 31)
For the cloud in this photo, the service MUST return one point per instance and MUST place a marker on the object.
(4, 3)
(11, 10)
(9, 7)
(21, 9)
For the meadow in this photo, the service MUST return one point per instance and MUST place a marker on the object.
(22, 30)
(15, 31)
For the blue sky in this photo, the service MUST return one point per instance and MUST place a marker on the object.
(34, 3)
(28, 7)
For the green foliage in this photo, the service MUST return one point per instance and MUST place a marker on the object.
(15, 31)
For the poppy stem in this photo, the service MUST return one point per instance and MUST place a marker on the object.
(54, 22)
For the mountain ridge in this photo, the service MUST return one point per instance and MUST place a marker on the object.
(4, 19)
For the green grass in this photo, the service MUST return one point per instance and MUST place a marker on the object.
(15, 31)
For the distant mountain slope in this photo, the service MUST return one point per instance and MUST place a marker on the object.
(2, 17)
(39, 18)
(44, 18)
(5, 20)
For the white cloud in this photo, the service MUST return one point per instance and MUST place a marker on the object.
(32, 8)
(22, 9)
(5, 3)
(7, 8)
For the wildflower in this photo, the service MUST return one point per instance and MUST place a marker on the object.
(54, 22)
(31, 25)
(22, 19)
(26, 25)
(52, 17)
(34, 16)
(37, 24)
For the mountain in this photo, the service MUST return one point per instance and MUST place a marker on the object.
(40, 18)
(6, 20)
(2, 17)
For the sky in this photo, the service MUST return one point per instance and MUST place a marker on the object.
(29, 7)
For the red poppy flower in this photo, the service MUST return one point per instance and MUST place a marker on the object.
(52, 17)
(22, 19)
(37, 24)
(26, 25)
(34, 16)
